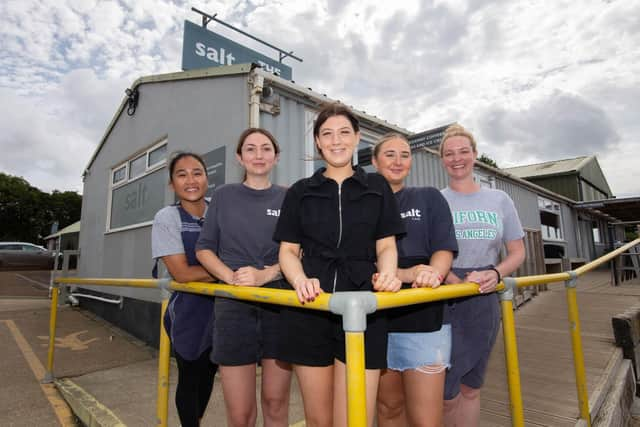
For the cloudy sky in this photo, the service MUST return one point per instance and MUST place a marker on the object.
(534, 82)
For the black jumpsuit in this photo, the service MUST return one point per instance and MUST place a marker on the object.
(337, 227)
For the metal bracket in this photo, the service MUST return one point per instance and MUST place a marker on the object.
(354, 307)
(572, 282)
(163, 285)
(509, 289)
(48, 378)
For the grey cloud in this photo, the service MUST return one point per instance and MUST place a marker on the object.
(560, 126)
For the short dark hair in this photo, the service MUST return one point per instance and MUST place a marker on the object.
(331, 110)
(251, 131)
(181, 155)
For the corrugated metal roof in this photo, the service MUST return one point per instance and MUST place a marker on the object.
(229, 70)
(554, 167)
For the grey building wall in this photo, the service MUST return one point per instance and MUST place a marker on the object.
(197, 115)
(565, 185)
(525, 200)
(427, 170)
(288, 126)
(570, 230)
(593, 173)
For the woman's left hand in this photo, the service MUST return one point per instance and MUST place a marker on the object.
(487, 279)
(385, 282)
(248, 276)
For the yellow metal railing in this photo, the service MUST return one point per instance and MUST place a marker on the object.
(354, 306)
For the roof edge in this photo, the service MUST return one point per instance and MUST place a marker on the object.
(501, 172)
(159, 78)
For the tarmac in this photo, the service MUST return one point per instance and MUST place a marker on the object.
(107, 376)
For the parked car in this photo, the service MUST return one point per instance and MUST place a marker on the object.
(22, 255)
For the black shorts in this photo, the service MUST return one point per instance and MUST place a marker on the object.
(316, 338)
(244, 332)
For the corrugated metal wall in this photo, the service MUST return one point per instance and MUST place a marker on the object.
(593, 173)
(570, 230)
(526, 202)
(427, 170)
(564, 185)
(289, 129)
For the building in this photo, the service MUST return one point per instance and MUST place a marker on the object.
(580, 179)
(205, 110)
(125, 181)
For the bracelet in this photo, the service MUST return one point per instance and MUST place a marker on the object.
(497, 272)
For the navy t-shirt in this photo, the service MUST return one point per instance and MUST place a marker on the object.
(427, 219)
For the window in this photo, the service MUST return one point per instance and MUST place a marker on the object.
(137, 189)
(596, 232)
(119, 174)
(137, 166)
(550, 219)
(157, 156)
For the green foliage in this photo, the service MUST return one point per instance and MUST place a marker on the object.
(27, 213)
(488, 161)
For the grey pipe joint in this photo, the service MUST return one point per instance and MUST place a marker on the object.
(354, 307)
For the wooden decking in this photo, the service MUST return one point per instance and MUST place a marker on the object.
(544, 350)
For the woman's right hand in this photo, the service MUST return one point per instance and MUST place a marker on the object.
(307, 289)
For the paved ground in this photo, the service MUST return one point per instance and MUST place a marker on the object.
(119, 370)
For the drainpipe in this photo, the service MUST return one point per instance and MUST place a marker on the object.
(254, 102)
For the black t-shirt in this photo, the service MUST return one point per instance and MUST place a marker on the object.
(337, 226)
(427, 218)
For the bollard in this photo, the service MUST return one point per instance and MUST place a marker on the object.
(511, 352)
(576, 345)
(53, 318)
(164, 354)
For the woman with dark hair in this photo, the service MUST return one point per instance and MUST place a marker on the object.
(419, 348)
(485, 220)
(336, 229)
(189, 317)
(236, 246)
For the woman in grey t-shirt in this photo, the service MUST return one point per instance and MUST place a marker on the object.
(485, 220)
(236, 245)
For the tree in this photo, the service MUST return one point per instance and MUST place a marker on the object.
(26, 213)
(488, 161)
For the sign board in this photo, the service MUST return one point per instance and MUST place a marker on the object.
(138, 201)
(429, 138)
(215, 161)
(202, 48)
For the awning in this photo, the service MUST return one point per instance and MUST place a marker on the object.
(624, 210)
(73, 228)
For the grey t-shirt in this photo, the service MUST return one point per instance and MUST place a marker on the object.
(240, 223)
(166, 237)
(484, 221)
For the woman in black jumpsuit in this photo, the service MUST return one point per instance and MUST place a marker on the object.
(336, 229)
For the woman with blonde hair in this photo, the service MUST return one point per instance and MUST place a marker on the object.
(411, 388)
(485, 221)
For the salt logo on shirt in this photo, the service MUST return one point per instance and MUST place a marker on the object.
(273, 212)
(413, 214)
